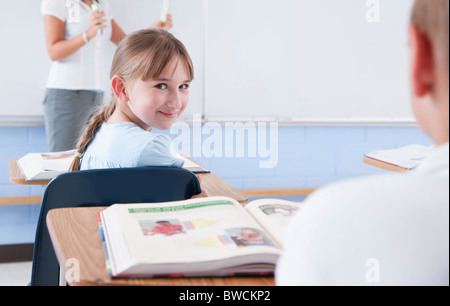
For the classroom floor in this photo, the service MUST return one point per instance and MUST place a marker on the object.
(15, 274)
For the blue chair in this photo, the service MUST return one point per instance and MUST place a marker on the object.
(104, 187)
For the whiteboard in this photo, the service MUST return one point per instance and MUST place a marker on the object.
(286, 60)
(306, 60)
(24, 62)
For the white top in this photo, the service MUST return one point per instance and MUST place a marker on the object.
(380, 230)
(126, 145)
(84, 69)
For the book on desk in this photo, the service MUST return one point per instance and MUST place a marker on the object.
(46, 166)
(214, 236)
(405, 158)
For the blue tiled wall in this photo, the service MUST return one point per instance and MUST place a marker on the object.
(18, 223)
(308, 157)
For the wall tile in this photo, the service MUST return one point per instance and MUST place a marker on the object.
(13, 136)
(37, 137)
(329, 135)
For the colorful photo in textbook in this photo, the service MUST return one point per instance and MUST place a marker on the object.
(161, 227)
(247, 236)
(279, 213)
(278, 209)
(241, 237)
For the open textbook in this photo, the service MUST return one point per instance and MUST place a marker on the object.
(46, 166)
(408, 157)
(214, 236)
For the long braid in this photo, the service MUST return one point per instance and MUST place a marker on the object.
(89, 133)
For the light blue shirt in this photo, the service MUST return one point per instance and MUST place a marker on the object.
(126, 145)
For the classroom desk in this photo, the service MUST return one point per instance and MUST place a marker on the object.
(209, 181)
(16, 176)
(75, 235)
(385, 166)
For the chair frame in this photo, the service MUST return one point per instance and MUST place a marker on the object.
(95, 188)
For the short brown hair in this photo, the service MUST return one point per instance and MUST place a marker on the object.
(431, 17)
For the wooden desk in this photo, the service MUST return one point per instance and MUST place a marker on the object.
(385, 166)
(75, 235)
(16, 176)
(211, 182)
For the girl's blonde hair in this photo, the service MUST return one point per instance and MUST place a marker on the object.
(144, 54)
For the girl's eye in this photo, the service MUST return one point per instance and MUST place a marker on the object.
(184, 86)
(161, 86)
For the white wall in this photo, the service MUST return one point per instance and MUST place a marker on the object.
(288, 60)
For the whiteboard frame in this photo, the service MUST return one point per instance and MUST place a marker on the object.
(8, 121)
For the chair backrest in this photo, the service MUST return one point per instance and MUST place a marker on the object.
(103, 188)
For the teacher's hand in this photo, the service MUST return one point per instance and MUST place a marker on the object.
(97, 22)
(164, 25)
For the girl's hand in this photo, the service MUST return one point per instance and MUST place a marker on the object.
(166, 25)
(204, 193)
(97, 22)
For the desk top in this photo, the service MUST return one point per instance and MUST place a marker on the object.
(16, 176)
(75, 235)
(211, 182)
(385, 166)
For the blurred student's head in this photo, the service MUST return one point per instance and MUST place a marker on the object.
(429, 57)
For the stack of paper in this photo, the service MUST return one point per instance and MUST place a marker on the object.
(45, 166)
(407, 157)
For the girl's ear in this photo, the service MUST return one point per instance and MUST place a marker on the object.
(119, 89)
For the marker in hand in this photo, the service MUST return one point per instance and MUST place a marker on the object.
(165, 10)
(96, 7)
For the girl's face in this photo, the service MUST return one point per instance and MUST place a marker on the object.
(159, 103)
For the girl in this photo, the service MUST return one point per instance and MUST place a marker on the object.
(150, 78)
(76, 35)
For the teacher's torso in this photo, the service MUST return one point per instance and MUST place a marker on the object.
(85, 69)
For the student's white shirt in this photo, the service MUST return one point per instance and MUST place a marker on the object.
(380, 230)
(85, 69)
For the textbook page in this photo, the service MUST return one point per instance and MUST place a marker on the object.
(201, 236)
(273, 215)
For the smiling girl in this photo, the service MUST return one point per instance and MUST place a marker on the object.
(150, 78)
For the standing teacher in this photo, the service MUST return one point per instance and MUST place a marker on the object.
(76, 32)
